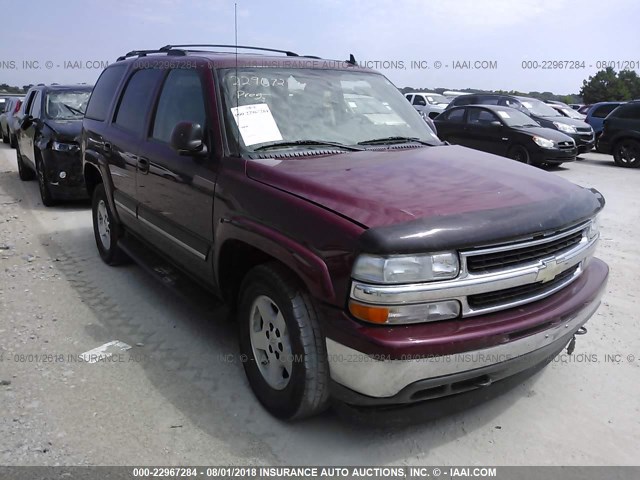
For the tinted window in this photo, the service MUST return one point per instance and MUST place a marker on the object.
(419, 100)
(104, 92)
(604, 110)
(454, 115)
(479, 116)
(35, 109)
(136, 100)
(465, 100)
(628, 111)
(488, 100)
(181, 100)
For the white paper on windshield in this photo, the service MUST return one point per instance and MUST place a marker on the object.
(352, 104)
(503, 114)
(256, 124)
(526, 104)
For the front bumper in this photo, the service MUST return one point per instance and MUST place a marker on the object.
(374, 365)
(584, 142)
(72, 186)
(554, 156)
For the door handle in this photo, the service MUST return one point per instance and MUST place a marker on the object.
(143, 165)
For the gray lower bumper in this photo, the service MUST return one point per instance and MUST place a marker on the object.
(372, 377)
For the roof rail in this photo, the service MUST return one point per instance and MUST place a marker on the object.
(143, 53)
(168, 48)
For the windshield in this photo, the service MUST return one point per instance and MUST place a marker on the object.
(515, 118)
(539, 108)
(571, 113)
(278, 106)
(434, 98)
(66, 105)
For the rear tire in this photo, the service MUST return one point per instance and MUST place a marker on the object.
(5, 136)
(24, 172)
(106, 230)
(520, 154)
(283, 349)
(626, 153)
(13, 141)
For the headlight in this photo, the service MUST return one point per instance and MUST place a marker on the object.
(64, 147)
(406, 268)
(594, 228)
(543, 142)
(563, 127)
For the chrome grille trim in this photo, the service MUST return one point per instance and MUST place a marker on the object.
(469, 283)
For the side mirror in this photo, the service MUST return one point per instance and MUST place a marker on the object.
(495, 123)
(26, 122)
(187, 138)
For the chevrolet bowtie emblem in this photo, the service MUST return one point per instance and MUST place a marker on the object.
(548, 271)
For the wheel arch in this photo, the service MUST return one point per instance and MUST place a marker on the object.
(247, 245)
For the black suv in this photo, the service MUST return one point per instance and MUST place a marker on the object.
(48, 140)
(544, 114)
(621, 135)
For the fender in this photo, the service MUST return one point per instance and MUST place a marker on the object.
(304, 262)
(98, 161)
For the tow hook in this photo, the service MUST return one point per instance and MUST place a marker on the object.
(572, 344)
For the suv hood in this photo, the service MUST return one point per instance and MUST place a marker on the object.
(432, 197)
(66, 130)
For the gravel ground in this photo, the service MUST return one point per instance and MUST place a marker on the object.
(178, 397)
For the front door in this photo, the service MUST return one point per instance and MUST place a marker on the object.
(176, 191)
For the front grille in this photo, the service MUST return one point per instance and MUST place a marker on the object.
(489, 262)
(515, 294)
(566, 145)
(584, 130)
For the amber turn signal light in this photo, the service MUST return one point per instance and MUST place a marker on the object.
(369, 313)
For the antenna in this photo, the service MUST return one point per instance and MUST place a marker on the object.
(235, 28)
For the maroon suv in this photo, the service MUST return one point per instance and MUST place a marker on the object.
(369, 262)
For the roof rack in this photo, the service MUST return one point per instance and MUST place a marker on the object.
(170, 48)
(143, 53)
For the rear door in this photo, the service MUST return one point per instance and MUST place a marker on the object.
(126, 133)
(176, 191)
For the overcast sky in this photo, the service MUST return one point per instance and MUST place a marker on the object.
(401, 31)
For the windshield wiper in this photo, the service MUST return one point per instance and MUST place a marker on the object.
(297, 143)
(74, 110)
(392, 140)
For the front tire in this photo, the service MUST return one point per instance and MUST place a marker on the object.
(520, 154)
(626, 153)
(24, 172)
(106, 230)
(282, 347)
(5, 136)
(13, 141)
(43, 183)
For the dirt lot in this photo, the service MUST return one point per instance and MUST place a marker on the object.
(178, 396)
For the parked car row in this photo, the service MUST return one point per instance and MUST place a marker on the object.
(530, 138)
(368, 263)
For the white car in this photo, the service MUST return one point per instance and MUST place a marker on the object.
(427, 103)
